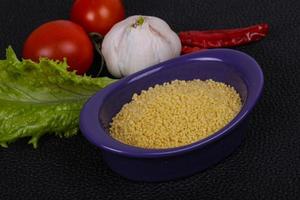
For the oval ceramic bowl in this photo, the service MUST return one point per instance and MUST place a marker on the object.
(229, 66)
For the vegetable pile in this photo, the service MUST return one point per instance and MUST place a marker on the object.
(44, 92)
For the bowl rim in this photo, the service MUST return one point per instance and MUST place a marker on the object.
(89, 116)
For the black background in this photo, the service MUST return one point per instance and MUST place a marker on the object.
(267, 164)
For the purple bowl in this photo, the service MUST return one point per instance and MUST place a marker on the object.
(229, 66)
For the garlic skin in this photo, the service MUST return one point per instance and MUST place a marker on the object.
(137, 43)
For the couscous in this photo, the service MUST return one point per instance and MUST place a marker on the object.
(175, 114)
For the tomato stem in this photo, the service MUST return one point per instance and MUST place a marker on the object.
(97, 41)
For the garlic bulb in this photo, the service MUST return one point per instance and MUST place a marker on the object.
(137, 43)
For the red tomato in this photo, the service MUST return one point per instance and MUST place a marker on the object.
(58, 40)
(97, 15)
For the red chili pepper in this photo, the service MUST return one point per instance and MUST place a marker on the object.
(188, 49)
(223, 38)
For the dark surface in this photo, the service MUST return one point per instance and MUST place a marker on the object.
(266, 166)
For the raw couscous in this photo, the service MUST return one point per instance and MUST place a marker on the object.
(175, 114)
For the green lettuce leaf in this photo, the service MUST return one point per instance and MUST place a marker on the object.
(41, 98)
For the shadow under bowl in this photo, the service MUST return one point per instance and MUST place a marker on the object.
(224, 65)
